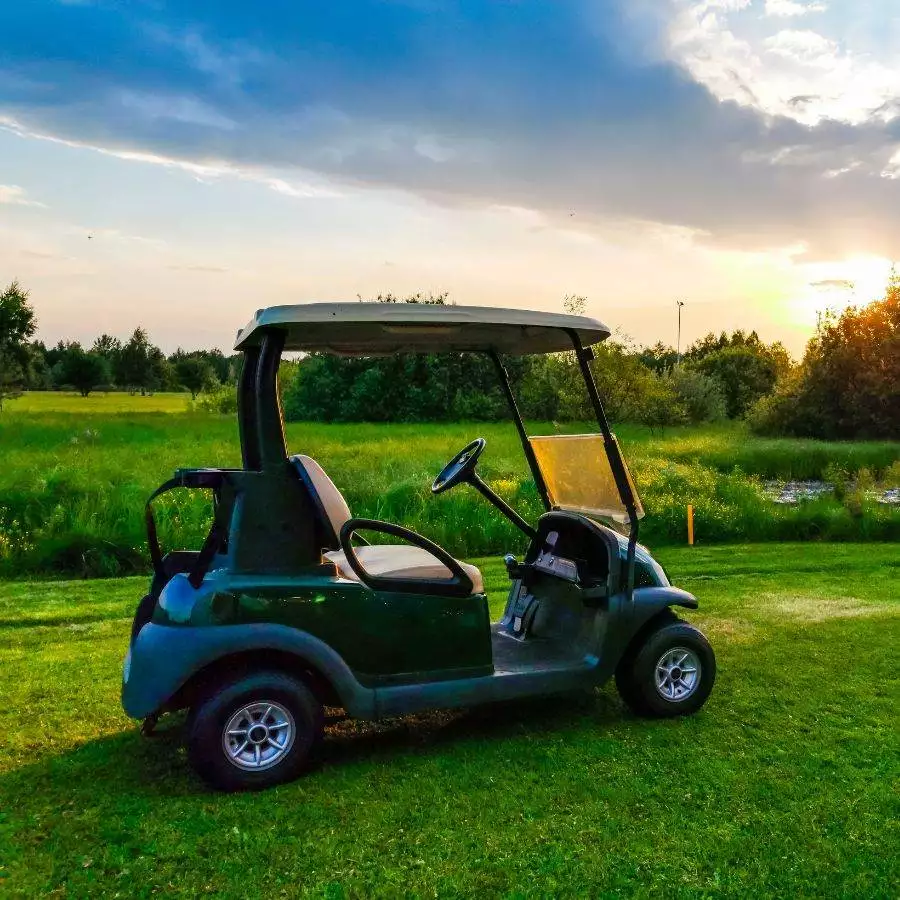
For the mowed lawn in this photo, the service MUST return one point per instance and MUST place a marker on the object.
(784, 785)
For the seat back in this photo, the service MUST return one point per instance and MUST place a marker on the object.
(329, 501)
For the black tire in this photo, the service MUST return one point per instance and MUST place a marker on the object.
(209, 717)
(636, 674)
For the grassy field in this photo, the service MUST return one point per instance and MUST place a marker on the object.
(115, 402)
(784, 785)
(73, 483)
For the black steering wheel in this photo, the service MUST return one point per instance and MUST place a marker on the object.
(459, 468)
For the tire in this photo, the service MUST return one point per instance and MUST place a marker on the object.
(282, 723)
(671, 672)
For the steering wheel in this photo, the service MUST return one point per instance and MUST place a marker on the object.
(459, 468)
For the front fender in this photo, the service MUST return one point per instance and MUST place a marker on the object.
(163, 658)
(630, 617)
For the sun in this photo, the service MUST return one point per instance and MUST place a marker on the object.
(836, 285)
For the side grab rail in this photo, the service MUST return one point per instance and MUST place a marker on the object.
(459, 585)
(208, 479)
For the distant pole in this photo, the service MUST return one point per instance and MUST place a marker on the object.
(690, 524)
(680, 303)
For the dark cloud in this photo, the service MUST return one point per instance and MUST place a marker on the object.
(531, 103)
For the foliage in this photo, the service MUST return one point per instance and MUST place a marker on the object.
(848, 385)
(659, 358)
(661, 405)
(83, 371)
(701, 396)
(790, 796)
(746, 368)
(222, 401)
(17, 325)
(196, 374)
(73, 484)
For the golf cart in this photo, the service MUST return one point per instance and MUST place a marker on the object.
(286, 610)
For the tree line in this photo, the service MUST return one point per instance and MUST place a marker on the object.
(847, 384)
(135, 365)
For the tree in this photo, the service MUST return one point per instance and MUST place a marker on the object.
(659, 358)
(196, 374)
(848, 384)
(141, 366)
(746, 367)
(17, 325)
(83, 371)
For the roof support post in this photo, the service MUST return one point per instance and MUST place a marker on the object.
(269, 421)
(613, 453)
(520, 427)
(246, 407)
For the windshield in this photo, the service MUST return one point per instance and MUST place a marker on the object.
(579, 477)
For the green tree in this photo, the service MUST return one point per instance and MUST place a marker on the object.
(142, 366)
(80, 369)
(17, 325)
(848, 384)
(196, 374)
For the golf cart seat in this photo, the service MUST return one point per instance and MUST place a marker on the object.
(389, 561)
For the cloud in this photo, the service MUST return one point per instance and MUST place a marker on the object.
(693, 120)
(787, 8)
(832, 284)
(13, 195)
(206, 269)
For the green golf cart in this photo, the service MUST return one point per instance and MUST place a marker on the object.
(287, 610)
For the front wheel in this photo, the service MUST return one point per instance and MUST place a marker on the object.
(670, 674)
(254, 732)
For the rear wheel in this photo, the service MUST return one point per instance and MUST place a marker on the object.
(670, 673)
(254, 732)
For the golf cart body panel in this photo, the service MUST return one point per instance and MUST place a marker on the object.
(282, 584)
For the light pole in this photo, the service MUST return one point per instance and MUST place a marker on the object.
(679, 303)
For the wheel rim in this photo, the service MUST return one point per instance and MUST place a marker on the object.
(258, 736)
(677, 674)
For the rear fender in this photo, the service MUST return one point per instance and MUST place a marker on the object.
(164, 658)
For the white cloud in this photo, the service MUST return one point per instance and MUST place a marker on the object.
(807, 75)
(13, 195)
(207, 170)
(785, 9)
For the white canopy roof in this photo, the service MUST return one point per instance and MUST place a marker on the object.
(368, 329)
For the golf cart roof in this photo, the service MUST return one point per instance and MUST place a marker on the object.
(367, 329)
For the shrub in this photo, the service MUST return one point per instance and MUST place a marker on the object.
(701, 396)
(222, 401)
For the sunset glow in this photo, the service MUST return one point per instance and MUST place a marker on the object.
(739, 154)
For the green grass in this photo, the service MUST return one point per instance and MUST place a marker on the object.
(784, 785)
(72, 487)
(98, 403)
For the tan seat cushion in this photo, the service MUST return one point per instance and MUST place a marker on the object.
(332, 499)
(401, 561)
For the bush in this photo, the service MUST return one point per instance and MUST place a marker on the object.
(701, 396)
(222, 402)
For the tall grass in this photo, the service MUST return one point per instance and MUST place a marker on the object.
(72, 487)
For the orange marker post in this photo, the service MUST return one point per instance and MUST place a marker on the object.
(690, 520)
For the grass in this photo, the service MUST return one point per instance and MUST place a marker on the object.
(784, 785)
(98, 403)
(73, 484)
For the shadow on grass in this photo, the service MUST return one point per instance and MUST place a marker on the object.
(157, 767)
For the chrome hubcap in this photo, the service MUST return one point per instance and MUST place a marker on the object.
(258, 736)
(677, 674)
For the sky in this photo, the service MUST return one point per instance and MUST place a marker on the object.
(179, 165)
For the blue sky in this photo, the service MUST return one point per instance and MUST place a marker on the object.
(741, 154)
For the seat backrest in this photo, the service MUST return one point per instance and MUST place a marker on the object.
(330, 501)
